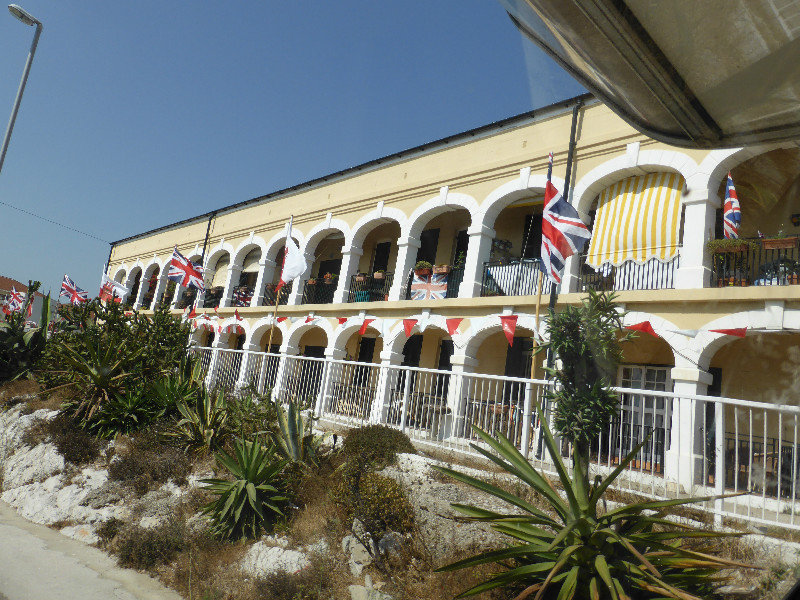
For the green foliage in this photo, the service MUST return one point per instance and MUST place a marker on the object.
(294, 439)
(423, 264)
(315, 582)
(586, 340)
(251, 414)
(378, 502)
(376, 445)
(125, 413)
(21, 348)
(250, 502)
(203, 423)
(730, 245)
(145, 547)
(575, 547)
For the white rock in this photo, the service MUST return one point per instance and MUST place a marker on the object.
(13, 425)
(29, 465)
(82, 533)
(358, 555)
(262, 559)
(360, 592)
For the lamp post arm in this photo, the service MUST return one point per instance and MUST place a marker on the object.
(18, 99)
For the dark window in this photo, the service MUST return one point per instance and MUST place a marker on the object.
(330, 266)
(366, 349)
(460, 249)
(445, 352)
(314, 351)
(239, 342)
(380, 260)
(412, 351)
(518, 358)
(532, 238)
(429, 242)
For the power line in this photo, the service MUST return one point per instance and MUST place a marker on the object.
(32, 214)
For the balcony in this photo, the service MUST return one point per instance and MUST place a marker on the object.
(213, 297)
(242, 295)
(319, 291)
(630, 275)
(517, 277)
(757, 261)
(269, 294)
(187, 298)
(454, 279)
(368, 288)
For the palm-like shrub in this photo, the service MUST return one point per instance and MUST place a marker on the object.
(575, 550)
(125, 413)
(294, 440)
(203, 423)
(250, 502)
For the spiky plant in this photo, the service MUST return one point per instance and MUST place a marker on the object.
(573, 549)
(20, 348)
(203, 423)
(294, 440)
(250, 502)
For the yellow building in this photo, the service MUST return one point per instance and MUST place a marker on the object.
(473, 202)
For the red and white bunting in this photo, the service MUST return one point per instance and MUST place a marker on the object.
(232, 328)
(509, 325)
(408, 325)
(282, 319)
(364, 326)
(236, 314)
(452, 326)
(644, 327)
(342, 320)
(310, 319)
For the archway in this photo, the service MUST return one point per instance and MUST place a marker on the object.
(217, 278)
(326, 249)
(245, 288)
(151, 278)
(371, 280)
(134, 282)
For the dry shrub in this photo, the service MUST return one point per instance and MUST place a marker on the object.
(73, 443)
(108, 530)
(376, 445)
(148, 460)
(318, 581)
(143, 548)
(377, 501)
(16, 392)
(318, 516)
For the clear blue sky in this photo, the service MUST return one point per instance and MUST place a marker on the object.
(142, 113)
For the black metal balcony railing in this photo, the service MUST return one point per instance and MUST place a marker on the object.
(319, 291)
(367, 288)
(758, 262)
(269, 294)
(213, 297)
(630, 275)
(518, 277)
(454, 279)
(242, 295)
(188, 297)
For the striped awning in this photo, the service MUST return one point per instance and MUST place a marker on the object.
(637, 219)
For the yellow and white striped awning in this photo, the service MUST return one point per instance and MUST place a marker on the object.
(637, 219)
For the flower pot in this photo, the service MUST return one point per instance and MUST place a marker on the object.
(441, 269)
(730, 249)
(793, 279)
(312, 282)
(780, 243)
(422, 272)
(378, 275)
(360, 278)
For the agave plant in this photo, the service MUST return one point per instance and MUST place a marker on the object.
(125, 413)
(628, 552)
(203, 422)
(294, 439)
(251, 502)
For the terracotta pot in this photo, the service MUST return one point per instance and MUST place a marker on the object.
(378, 275)
(794, 279)
(360, 278)
(312, 282)
(780, 243)
(422, 272)
(441, 269)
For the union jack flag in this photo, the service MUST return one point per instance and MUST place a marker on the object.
(732, 216)
(563, 232)
(72, 292)
(13, 302)
(242, 296)
(186, 273)
(429, 288)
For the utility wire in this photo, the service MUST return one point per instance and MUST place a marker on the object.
(32, 214)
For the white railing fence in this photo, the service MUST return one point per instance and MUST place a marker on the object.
(696, 445)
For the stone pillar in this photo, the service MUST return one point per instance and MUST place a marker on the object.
(331, 374)
(250, 366)
(221, 341)
(386, 377)
(407, 248)
(698, 228)
(686, 432)
(285, 363)
(161, 286)
(266, 274)
(176, 296)
(458, 396)
(478, 252)
(234, 274)
(350, 259)
(570, 278)
(137, 302)
(296, 295)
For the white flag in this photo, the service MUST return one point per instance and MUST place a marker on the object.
(294, 263)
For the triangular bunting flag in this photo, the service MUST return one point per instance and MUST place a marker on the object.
(452, 326)
(509, 324)
(309, 319)
(236, 314)
(192, 313)
(408, 325)
(282, 319)
(736, 332)
(364, 326)
(687, 332)
(644, 327)
(342, 320)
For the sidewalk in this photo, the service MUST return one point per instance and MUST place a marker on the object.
(37, 563)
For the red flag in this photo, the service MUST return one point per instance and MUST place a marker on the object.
(644, 327)
(309, 319)
(282, 319)
(364, 326)
(342, 320)
(236, 314)
(192, 313)
(452, 325)
(509, 324)
(737, 332)
(408, 325)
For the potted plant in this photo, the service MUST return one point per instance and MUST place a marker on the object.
(460, 260)
(361, 277)
(330, 277)
(312, 281)
(729, 245)
(441, 269)
(781, 242)
(379, 274)
(423, 269)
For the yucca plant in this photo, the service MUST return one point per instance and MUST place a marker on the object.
(250, 503)
(574, 549)
(294, 440)
(203, 422)
(125, 413)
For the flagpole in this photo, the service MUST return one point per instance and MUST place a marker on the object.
(280, 289)
(536, 322)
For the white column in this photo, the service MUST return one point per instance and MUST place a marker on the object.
(296, 295)
(161, 286)
(478, 252)
(457, 395)
(382, 401)
(234, 273)
(176, 296)
(684, 455)
(350, 259)
(569, 281)
(250, 363)
(221, 341)
(698, 228)
(288, 354)
(407, 248)
(266, 273)
(331, 375)
(137, 303)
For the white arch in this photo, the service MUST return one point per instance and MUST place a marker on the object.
(482, 328)
(322, 230)
(343, 332)
(374, 218)
(511, 191)
(148, 269)
(234, 321)
(396, 338)
(680, 345)
(628, 165)
(279, 239)
(120, 270)
(434, 207)
(296, 331)
(216, 252)
(131, 277)
(244, 248)
(260, 327)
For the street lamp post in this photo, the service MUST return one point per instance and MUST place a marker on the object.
(28, 19)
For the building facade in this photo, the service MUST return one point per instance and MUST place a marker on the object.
(473, 203)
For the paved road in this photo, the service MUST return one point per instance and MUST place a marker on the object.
(37, 563)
